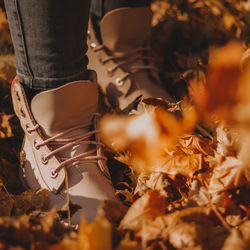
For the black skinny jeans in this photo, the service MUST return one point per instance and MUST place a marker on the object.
(49, 38)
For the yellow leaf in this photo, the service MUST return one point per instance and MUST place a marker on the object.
(95, 235)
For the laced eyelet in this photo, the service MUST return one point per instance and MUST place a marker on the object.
(119, 82)
(35, 145)
(110, 72)
(22, 113)
(88, 34)
(17, 96)
(92, 45)
(53, 173)
(44, 160)
(101, 61)
(27, 128)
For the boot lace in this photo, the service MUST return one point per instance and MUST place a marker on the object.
(58, 144)
(122, 58)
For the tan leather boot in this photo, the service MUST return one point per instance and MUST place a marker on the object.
(122, 60)
(61, 135)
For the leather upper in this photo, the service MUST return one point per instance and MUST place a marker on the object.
(122, 60)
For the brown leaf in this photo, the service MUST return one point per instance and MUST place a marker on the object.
(228, 175)
(239, 238)
(185, 228)
(114, 211)
(35, 230)
(5, 128)
(6, 204)
(186, 165)
(149, 206)
(68, 242)
(199, 195)
(188, 235)
(31, 200)
(7, 68)
(155, 181)
(146, 137)
(219, 94)
(127, 244)
(197, 144)
(95, 235)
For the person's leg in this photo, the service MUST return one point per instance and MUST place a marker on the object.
(100, 7)
(60, 122)
(49, 40)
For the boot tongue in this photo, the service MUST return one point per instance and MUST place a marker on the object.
(65, 107)
(126, 29)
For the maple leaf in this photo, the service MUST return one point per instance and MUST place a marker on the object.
(183, 228)
(155, 181)
(186, 165)
(146, 137)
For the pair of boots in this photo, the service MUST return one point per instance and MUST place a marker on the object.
(62, 151)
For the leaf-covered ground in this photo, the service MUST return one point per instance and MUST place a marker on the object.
(182, 170)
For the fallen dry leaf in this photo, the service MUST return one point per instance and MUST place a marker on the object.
(95, 235)
(239, 238)
(114, 211)
(155, 181)
(5, 128)
(219, 93)
(7, 67)
(36, 230)
(227, 175)
(127, 244)
(186, 165)
(186, 228)
(147, 207)
(6, 204)
(145, 138)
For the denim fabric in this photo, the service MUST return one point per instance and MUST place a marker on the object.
(100, 7)
(49, 38)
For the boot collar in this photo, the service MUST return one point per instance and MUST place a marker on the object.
(125, 29)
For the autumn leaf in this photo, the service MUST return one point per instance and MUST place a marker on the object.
(239, 238)
(183, 228)
(219, 93)
(95, 235)
(145, 138)
(5, 128)
(149, 206)
(127, 244)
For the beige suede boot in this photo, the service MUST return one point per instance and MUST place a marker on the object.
(122, 60)
(61, 136)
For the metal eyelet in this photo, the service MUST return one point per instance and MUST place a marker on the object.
(22, 113)
(44, 160)
(119, 82)
(101, 61)
(88, 34)
(53, 173)
(17, 96)
(35, 145)
(110, 72)
(27, 128)
(92, 45)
